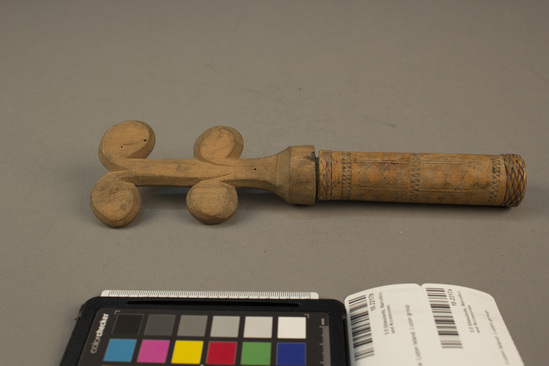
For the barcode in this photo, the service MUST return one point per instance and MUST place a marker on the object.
(361, 329)
(444, 320)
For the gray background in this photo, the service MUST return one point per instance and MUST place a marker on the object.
(406, 76)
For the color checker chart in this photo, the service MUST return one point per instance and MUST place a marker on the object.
(131, 337)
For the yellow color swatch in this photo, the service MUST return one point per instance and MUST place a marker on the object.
(188, 352)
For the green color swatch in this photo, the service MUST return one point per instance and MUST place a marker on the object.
(256, 353)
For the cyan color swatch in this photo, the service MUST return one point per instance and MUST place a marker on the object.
(120, 350)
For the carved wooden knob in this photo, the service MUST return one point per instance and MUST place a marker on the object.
(213, 175)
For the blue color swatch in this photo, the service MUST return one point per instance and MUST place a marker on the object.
(291, 354)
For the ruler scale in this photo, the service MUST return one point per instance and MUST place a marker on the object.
(268, 295)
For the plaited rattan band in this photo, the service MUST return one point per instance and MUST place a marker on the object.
(516, 180)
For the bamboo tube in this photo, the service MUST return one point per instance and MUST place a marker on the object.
(491, 180)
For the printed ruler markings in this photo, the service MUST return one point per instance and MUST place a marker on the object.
(361, 329)
(327, 358)
(444, 320)
(211, 294)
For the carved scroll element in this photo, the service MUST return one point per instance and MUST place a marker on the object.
(213, 175)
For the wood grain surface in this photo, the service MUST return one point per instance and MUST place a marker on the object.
(492, 180)
(213, 175)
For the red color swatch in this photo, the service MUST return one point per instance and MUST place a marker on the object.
(221, 353)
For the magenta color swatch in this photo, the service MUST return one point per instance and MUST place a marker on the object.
(221, 353)
(153, 351)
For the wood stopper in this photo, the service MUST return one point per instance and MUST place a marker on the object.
(492, 180)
